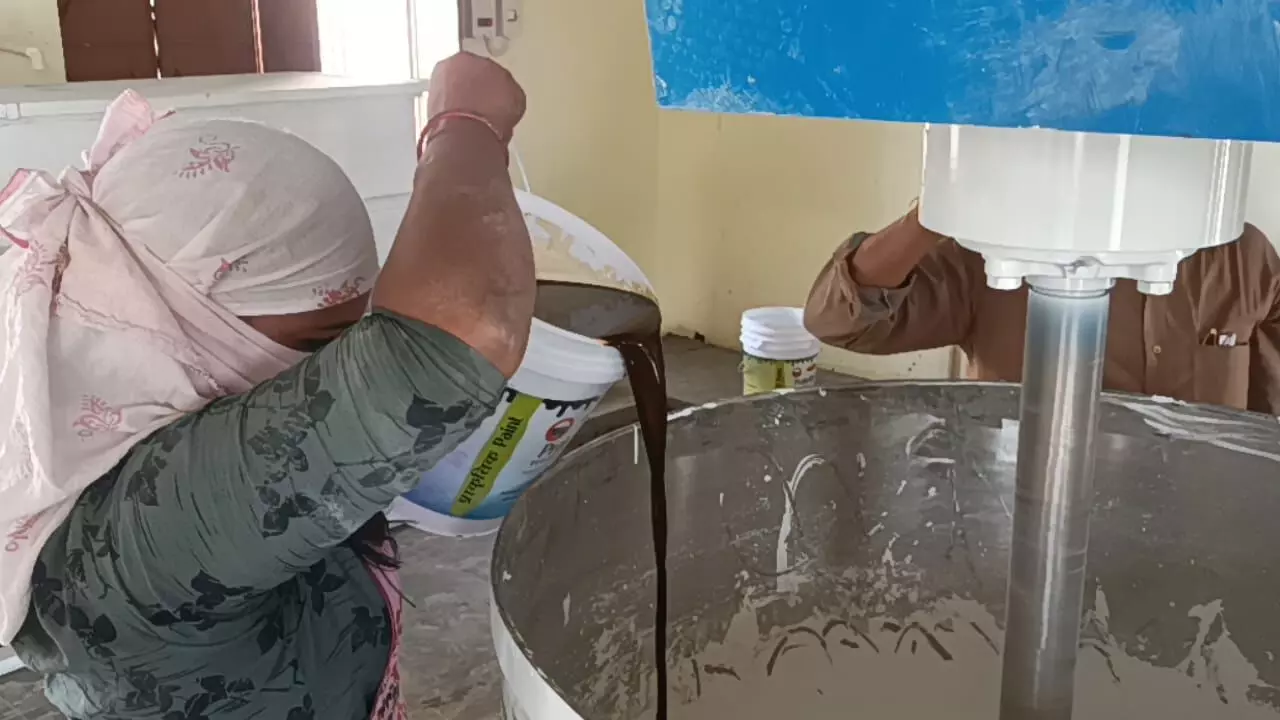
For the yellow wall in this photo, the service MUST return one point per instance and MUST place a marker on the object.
(30, 23)
(722, 212)
(774, 197)
(590, 136)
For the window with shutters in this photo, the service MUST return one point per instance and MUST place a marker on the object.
(377, 39)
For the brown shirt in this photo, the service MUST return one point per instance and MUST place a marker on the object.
(1157, 345)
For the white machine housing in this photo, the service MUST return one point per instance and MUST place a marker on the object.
(1082, 208)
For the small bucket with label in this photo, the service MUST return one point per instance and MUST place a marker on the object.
(777, 351)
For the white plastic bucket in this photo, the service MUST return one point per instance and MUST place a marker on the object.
(567, 248)
(559, 383)
(777, 352)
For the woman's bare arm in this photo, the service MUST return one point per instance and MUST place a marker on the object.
(462, 259)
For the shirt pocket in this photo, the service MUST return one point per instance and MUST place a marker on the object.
(1222, 375)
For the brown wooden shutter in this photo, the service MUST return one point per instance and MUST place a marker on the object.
(108, 39)
(206, 37)
(122, 39)
(290, 35)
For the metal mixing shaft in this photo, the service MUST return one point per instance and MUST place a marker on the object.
(1061, 379)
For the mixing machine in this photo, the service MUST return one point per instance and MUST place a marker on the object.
(1050, 150)
(1069, 213)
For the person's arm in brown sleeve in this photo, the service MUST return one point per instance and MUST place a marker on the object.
(1264, 361)
(904, 288)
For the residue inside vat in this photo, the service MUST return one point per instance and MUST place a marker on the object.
(943, 662)
(940, 660)
(883, 608)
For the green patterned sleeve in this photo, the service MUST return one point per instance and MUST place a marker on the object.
(257, 487)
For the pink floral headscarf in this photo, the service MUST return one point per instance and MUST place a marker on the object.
(121, 289)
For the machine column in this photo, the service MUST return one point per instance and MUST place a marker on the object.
(1063, 361)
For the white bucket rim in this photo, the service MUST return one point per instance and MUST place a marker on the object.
(782, 354)
(790, 338)
(779, 339)
(756, 342)
(571, 357)
(761, 314)
(578, 227)
(797, 357)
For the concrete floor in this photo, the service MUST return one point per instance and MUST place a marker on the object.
(449, 670)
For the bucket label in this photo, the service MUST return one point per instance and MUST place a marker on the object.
(485, 475)
(760, 375)
(495, 454)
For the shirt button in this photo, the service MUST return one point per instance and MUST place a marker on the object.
(1156, 350)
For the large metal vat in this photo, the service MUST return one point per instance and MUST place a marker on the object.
(832, 550)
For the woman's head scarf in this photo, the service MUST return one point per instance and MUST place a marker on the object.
(121, 290)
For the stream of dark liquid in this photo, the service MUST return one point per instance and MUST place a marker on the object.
(633, 324)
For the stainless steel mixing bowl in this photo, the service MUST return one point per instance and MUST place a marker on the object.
(793, 504)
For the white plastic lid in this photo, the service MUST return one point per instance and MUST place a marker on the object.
(782, 319)
(777, 333)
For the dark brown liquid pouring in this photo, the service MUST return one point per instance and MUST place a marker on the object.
(632, 324)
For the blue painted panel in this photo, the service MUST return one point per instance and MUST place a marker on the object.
(1196, 68)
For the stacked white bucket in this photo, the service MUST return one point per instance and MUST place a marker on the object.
(777, 352)
(561, 380)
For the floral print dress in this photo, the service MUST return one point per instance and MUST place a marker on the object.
(205, 577)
